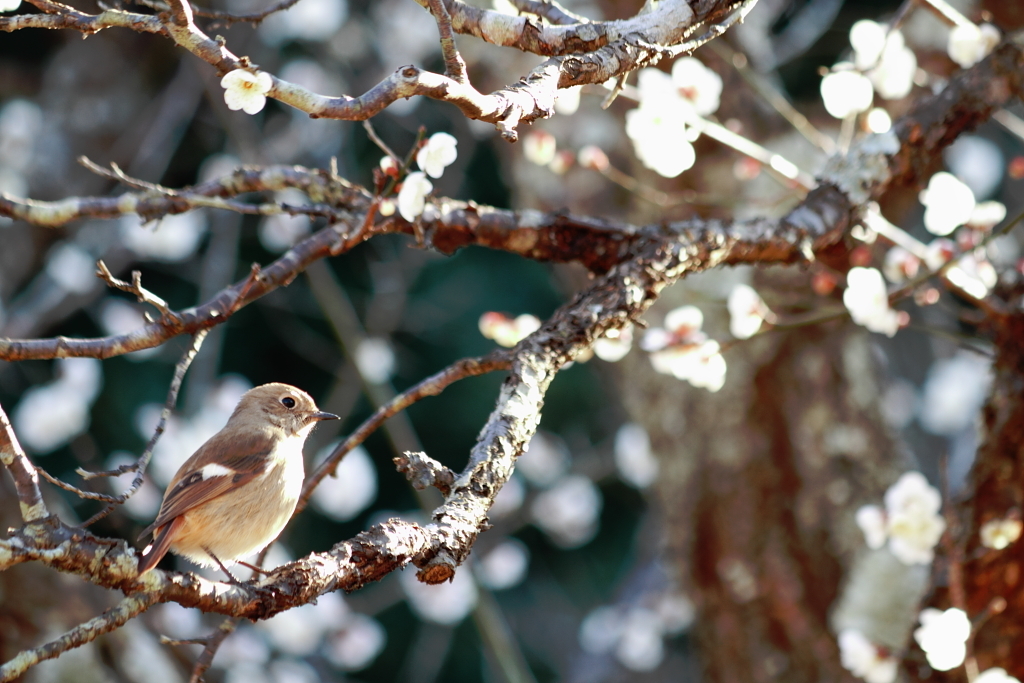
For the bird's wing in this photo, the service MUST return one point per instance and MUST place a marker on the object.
(199, 480)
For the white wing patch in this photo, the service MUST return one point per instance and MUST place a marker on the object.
(214, 470)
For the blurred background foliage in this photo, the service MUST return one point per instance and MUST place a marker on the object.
(159, 113)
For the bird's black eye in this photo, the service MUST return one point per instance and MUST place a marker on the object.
(288, 402)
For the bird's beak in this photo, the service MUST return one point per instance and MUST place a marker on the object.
(321, 415)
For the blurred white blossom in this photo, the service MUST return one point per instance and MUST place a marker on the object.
(21, 125)
(1000, 533)
(954, 392)
(72, 268)
(504, 566)
(375, 360)
(867, 38)
(634, 460)
(893, 77)
(539, 147)
(878, 120)
(9, 5)
(444, 603)
(948, 203)
(868, 301)
(312, 20)
(143, 505)
(568, 511)
(871, 520)
(846, 92)
(615, 344)
(179, 622)
(567, 100)
(544, 460)
(996, 675)
(510, 498)
(660, 139)
(507, 331)
(697, 84)
(300, 630)
(50, 415)
(640, 646)
(938, 252)
(354, 488)
(900, 265)
(412, 198)
(437, 154)
(357, 644)
(943, 637)
(246, 90)
(977, 162)
(600, 630)
(864, 659)
(279, 232)
(973, 274)
(747, 310)
(969, 43)
(171, 239)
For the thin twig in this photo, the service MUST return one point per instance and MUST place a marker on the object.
(454, 66)
(143, 462)
(135, 287)
(213, 643)
(432, 386)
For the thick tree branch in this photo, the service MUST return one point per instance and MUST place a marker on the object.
(26, 480)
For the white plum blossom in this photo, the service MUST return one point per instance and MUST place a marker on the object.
(437, 154)
(943, 637)
(680, 349)
(987, 215)
(893, 77)
(871, 520)
(846, 92)
(996, 675)
(412, 198)
(507, 331)
(868, 302)
(9, 5)
(641, 646)
(746, 311)
(660, 138)
(969, 44)
(568, 512)
(615, 344)
(867, 38)
(913, 519)
(246, 90)
(948, 203)
(634, 459)
(697, 84)
(864, 659)
(878, 120)
(314, 20)
(1000, 533)
(444, 603)
(351, 490)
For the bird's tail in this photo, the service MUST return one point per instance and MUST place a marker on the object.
(161, 543)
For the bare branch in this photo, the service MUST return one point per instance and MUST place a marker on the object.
(422, 471)
(80, 635)
(26, 480)
(454, 66)
(213, 643)
(143, 295)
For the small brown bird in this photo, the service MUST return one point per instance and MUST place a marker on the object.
(237, 492)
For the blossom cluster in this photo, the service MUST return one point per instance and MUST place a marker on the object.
(662, 140)
(911, 521)
(437, 154)
(682, 350)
